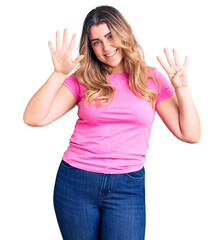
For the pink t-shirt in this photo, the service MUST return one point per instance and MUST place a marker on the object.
(113, 140)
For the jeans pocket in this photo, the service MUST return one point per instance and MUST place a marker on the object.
(140, 174)
(66, 165)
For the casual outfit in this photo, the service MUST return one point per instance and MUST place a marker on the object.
(100, 185)
(113, 140)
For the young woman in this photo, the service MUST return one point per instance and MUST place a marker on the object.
(99, 191)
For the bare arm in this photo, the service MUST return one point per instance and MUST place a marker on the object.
(40, 105)
(179, 112)
(180, 116)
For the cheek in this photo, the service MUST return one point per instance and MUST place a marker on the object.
(98, 54)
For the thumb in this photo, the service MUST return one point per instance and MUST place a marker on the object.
(78, 59)
(178, 74)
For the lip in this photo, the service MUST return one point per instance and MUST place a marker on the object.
(111, 56)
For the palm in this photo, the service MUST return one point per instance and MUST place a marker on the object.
(62, 57)
(62, 61)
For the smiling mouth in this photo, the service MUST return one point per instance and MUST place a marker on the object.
(111, 54)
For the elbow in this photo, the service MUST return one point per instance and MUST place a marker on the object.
(191, 136)
(25, 120)
(193, 139)
(31, 123)
(32, 120)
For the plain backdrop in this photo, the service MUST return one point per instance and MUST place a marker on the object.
(184, 182)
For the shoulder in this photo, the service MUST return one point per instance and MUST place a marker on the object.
(72, 82)
(72, 77)
(151, 70)
(156, 77)
(152, 81)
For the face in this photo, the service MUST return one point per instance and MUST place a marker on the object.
(105, 49)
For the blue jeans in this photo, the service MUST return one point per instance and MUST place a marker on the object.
(98, 206)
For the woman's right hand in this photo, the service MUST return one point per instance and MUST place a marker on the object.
(62, 57)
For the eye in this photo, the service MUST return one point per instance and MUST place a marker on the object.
(95, 43)
(110, 36)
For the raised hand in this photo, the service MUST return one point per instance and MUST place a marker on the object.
(62, 57)
(176, 73)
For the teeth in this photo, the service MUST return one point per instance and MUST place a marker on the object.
(111, 54)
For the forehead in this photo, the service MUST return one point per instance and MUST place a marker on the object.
(98, 31)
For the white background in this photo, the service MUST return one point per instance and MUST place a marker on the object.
(184, 182)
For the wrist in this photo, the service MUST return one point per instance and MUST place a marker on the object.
(181, 89)
(60, 74)
(182, 92)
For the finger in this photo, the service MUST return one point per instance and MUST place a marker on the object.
(176, 58)
(168, 57)
(65, 39)
(163, 64)
(51, 48)
(185, 63)
(72, 42)
(58, 40)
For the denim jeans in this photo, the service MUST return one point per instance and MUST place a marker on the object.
(98, 206)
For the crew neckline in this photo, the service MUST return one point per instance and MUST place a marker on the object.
(117, 76)
(124, 73)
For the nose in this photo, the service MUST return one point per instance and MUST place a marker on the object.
(106, 46)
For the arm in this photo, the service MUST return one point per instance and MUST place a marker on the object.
(180, 116)
(178, 112)
(49, 103)
(39, 105)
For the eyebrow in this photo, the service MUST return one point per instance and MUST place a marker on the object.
(98, 38)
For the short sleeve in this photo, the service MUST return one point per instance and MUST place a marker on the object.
(166, 89)
(71, 82)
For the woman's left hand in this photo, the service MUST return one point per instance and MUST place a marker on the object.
(176, 73)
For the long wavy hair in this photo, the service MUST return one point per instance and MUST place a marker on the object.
(93, 73)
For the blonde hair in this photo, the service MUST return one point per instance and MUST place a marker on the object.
(93, 73)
